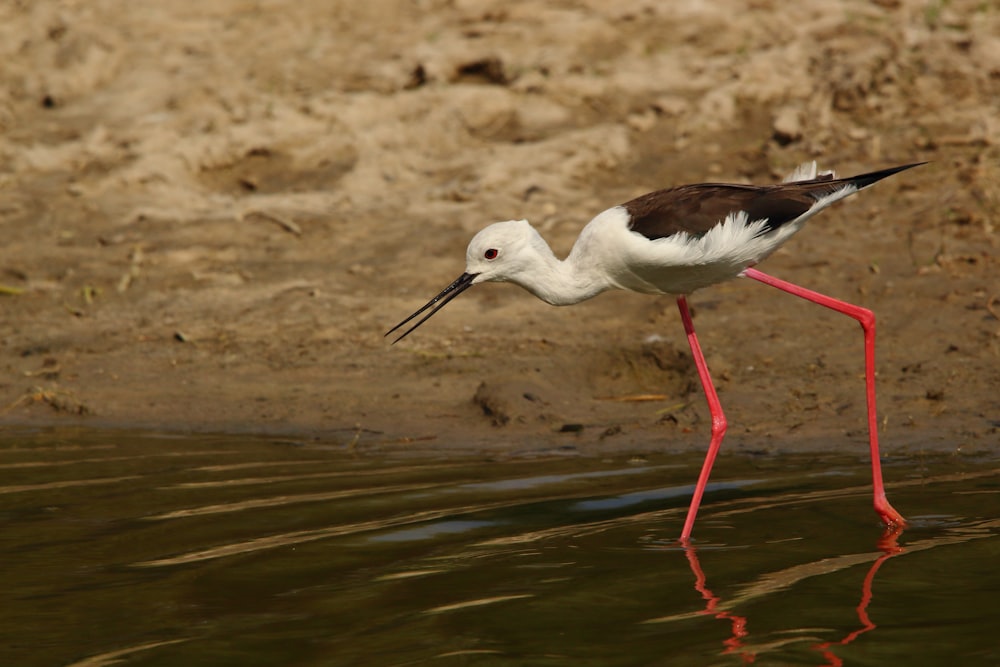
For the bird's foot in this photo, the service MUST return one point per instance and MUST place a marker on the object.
(890, 517)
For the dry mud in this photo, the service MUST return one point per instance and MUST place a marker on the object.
(211, 213)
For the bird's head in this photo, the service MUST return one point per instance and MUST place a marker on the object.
(499, 253)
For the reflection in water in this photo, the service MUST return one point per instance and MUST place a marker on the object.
(236, 551)
(888, 544)
(431, 530)
(116, 656)
(734, 644)
(888, 547)
(625, 500)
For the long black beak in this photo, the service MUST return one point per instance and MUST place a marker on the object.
(463, 283)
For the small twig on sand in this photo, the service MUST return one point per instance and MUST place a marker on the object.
(285, 223)
(989, 306)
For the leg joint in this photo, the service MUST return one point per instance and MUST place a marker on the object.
(719, 425)
(866, 318)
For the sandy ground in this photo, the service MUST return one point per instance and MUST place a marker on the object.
(212, 211)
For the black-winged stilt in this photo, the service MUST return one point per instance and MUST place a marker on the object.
(676, 241)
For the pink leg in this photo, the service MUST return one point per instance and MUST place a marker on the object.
(718, 418)
(867, 320)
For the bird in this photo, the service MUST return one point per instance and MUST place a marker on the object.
(674, 242)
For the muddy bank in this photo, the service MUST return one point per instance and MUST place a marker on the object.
(211, 213)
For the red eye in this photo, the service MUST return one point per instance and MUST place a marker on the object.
(491, 253)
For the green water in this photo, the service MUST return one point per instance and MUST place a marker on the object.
(140, 550)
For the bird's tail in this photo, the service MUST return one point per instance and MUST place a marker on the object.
(864, 180)
(808, 172)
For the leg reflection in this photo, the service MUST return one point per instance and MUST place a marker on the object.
(734, 644)
(737, 643)
(888, 544)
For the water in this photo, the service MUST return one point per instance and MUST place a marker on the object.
(144, 550)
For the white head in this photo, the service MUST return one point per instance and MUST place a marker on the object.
(504, 251)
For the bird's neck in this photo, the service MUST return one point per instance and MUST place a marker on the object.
(560, 282)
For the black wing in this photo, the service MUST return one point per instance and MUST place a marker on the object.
(695, 209)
